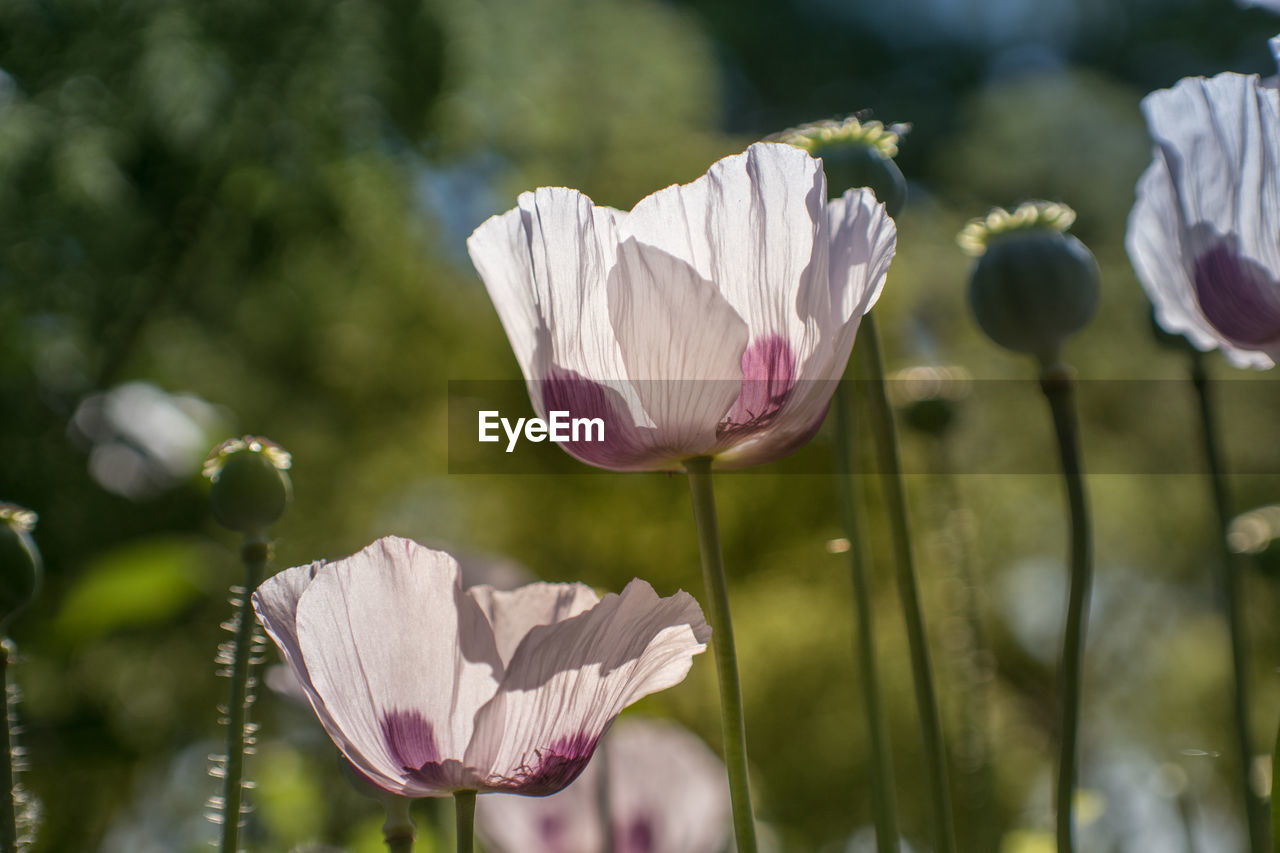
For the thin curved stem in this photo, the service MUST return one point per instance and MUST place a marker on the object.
(883, 806)
(464, 803)
(398, 830)
(1227, 580)
(254, 555)
(1058, 385)
(9, 809)
(717, 594)
(871, 370)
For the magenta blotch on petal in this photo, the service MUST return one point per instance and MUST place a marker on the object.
(768, 375)
(1239, 297)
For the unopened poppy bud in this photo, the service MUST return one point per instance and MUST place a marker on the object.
(20, 565)
(1033, 285)
(251, 485)
(855, 154)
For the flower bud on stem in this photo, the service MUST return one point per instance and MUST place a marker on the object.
(398, 830)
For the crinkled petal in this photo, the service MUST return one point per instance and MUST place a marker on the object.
(863, 241)
(276, 603)
(566, 682)
(402, 658)
(1219, 142)
(514, 613)
(754, 226)
(566, 822)
(682, 345)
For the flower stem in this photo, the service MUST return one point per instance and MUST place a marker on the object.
(398, 830)
(731, 717)
(8, 810)
(1228, 583)
(1275, 808)
(464, 803)
(254, 556)
(1058, 385)
(883, 806)
(871, 370)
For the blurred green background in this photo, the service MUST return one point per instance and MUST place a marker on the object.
(233, 216)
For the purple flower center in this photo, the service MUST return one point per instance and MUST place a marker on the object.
(768, 375)
(412, 743)
(1239, 297)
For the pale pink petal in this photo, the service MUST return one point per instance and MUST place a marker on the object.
(682, 345)
(668, 793)
(755, 226)
(566, 682)
(276, 603)
(514, 613)
(1216, 207)
(402, 658)
(500, 250)
(863, 241)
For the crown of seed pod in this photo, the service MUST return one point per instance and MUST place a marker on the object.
(20, 565)
(854, 153)
(1033, 285)
(251, 485)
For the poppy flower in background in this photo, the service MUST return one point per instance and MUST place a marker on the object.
(654, 785)
(428, 688)
(1204, 235)
(712, 320)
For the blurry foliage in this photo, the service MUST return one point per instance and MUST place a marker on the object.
(262, 206)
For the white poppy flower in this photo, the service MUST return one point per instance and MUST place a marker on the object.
(711, 320)
(428, 688)
(1204, 235)
(654, 786)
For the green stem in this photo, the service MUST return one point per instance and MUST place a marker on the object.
(871, 369)
(9, 811)
(1058, 385)
(1228, 583)
(254, 555)
(398, 830)
(731, 717)
(883, 806)
(464, 803)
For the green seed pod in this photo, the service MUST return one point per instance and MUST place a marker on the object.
(251, 486)
(854, 154)
(1033, 285)
(20, 565)
(849, 166)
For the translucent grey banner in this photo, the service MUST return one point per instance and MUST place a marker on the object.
(982, 427)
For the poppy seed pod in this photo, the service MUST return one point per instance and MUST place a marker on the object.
(1033, 285)
(251, 485)
(20, 565)
(855, 154)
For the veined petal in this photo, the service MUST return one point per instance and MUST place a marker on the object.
(402, 658)
(863, 241)
(1219, 140)
(1154, 242)
(276, 603)
(681, 343)
(566, 682)
(755, 227)
(500, 251)
(514, 613)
